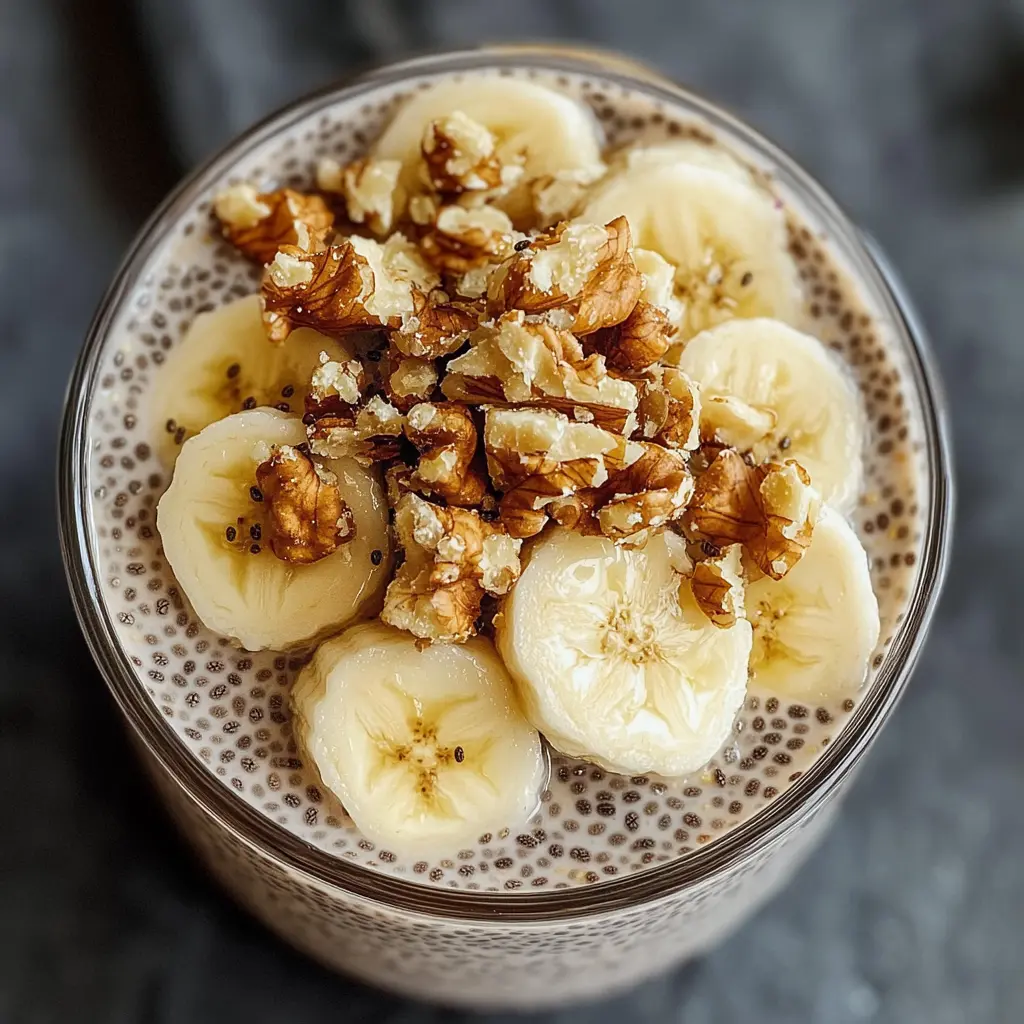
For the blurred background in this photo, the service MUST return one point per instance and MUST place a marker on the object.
(910, 111)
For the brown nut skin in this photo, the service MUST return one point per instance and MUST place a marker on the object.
(636, 343)
(445, 436)
(715, 593)
(331, 301)
(436, 328)
(730, 506)
(669, 410)
(543, 486)
(261, 241)
(606, 298)
(307, 519)
(461, 240)
(441, 151)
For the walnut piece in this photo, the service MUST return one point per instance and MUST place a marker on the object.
(259, 223)
(582, 275)
(541, 460)
(717, 588)
(517, 361)
(640, 340)
(325, 290)
(770, 509)
(446, 438)
(670, 409)
(407, 380)
(371, 433)
(399, 269)
(452, 559)
(307, 518)
(557, 197)
(651, 491)
(436, 326)
(338, 382)
(368, 188)
(467, 238)
(659, 284)
(459, 156)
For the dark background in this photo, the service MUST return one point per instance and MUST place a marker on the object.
(910, 111)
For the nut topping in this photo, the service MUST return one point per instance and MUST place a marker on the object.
(468, 238)
(307, 519)
(670, 410)
(368, 187)
(640, 340)
(718, 588)
(770, 509)
(446, 438)
(436, 326)
(583, 271)
(459, 156)
(260, 223)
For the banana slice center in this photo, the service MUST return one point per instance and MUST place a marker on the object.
(713, 288)
(787, 629)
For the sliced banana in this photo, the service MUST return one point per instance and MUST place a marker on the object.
(725, 237)
(815, 629)
(813, 408)
(211, 527)
(225, 364)
(546, 129)
(685, 152)
(425, 748)
(613, 658)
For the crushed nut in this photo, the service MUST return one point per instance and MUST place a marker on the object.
(465, 239)
(407, 380)
(452, 559)
(557, 197)
(540, 459)
(670, 410)
(519, 361)
(368, 434)
(338, 382)
(436, 326)
(651, 491)
(770, 509)
(325, 290)
(584, 272)
(717, 588)
(459, 156)
(659, 284)
(260, 223)
(640, 340)
(307, 517)
(446, 438)
(368, 187)
(399, 269)
(728, 420)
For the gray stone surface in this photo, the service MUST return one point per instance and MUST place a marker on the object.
(910, 111)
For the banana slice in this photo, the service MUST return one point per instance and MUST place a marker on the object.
(225, 364)
(211, 527)
(547, 129)
(685, 152)
(614, 660)
(725, 237)
(796, 389)
(815, 629)
(425, 748)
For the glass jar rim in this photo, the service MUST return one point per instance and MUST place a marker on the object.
(762, 829)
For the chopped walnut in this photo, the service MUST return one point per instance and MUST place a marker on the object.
(368, 434)
(340, 380)
(368, 187)
(541, 459)
(408, 380)
(519, 361)
(640, 340)
(399, 269)
(436, 326)
(307, 517)
(659, 284)
(770, 509)
(557, 197)
(670, 410)
(260, 223)
(459, 156)
(728, 420)
(582, 272)
(717, 588)
(446, 438)
(325, 290)
(464, 239)
(452, 559)
(650, 492)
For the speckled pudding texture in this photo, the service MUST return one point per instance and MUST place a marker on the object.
(230, 708)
